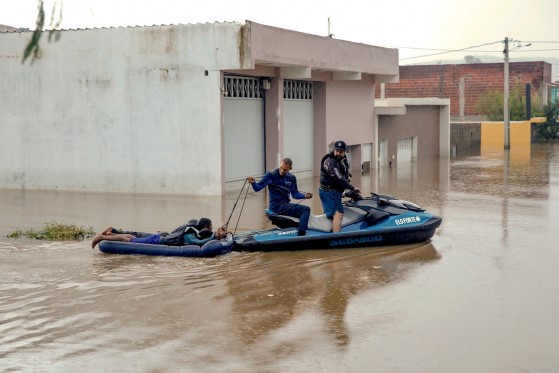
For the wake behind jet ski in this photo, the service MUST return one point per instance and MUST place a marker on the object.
(378, 220)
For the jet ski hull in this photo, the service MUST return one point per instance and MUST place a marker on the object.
(394, 222)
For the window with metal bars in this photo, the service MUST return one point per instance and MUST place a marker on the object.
(242, 87)
(297, 90)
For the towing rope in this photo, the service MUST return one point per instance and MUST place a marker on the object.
(242, 207)
(235, 205)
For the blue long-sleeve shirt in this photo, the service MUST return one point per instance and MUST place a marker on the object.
(191, 239)
(280, 187)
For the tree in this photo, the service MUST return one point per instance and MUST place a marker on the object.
(471, 59)
(491, 104)
(32, 47)
(550, 129)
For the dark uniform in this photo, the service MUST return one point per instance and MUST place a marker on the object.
(334, 179)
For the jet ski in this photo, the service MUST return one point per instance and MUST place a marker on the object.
(377, 220)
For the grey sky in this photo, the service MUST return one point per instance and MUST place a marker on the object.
(428, 25)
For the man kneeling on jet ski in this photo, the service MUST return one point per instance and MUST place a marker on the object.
(281, 184)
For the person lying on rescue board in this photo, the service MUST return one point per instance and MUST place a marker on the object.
(281, 183)
(192, 233)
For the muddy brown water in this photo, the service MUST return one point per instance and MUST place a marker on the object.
(481, 296)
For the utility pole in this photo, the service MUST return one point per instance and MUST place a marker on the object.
(506, 96)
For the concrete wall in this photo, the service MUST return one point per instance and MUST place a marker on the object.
(273, 111)
(349, 116)
(420, 121)
(465, 138)
(319, 117)
(492, 134)
(464, 84)
(472, 137)
(349, 111)
(117, 110)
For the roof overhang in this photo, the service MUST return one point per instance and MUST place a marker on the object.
(397, 106)
(301, 56)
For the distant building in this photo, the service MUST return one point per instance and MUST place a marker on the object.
(464, 84)
(4, 28)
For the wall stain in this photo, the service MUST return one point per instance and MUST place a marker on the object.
(159, 41)
(243, 43)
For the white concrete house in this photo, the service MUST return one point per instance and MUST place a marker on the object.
(182, 109)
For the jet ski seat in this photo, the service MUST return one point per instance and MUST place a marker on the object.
(321, 222)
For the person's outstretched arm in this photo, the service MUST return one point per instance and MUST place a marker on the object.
(257, 186)
(295, 193)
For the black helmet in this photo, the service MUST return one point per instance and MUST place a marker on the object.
(340, 145)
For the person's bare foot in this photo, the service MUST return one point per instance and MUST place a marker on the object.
(96, 240)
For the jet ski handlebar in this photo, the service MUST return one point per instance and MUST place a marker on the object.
(354, 195)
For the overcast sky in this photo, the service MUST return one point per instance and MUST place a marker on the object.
(428, 25)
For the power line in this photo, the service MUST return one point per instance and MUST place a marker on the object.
(452, 50)
(541, 42)
(436, 49)
(535, 50)
(444, 51)
(493, 51)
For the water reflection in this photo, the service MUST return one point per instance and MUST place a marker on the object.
(77, 307)
(516, 173)
(316, 284)
(507, 180)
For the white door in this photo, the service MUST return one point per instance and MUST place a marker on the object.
(243, 128)
(405, 158)
(298, 126)
(405, 150)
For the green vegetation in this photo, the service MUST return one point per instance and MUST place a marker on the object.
(55, 232)
(491, 104)
(32, 48)
(550, 129)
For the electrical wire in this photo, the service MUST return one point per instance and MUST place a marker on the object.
(445, 51)
(539, 42)
(534, 50)
(453, 50)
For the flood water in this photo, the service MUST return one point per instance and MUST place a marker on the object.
(481, 296)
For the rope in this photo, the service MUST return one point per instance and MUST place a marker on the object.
(235, 205)
(241, 212)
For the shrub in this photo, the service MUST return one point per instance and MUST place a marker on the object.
(56, 232)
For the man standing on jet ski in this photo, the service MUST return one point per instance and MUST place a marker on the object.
(281, 184)
(334, 180)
